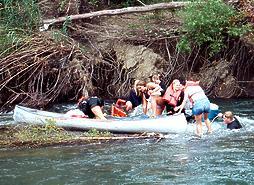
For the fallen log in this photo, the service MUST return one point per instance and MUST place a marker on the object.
(138, 9)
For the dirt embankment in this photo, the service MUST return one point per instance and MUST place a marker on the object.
(103, 55)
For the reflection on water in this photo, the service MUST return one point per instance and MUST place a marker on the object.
(224, 157)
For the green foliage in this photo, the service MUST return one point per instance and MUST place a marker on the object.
(22, 14)
(10, 40)
(46, 133)
(95, 133)
(62, 4)
(17, 19)
(184, 45)
(94, 2)
(209, 22)
(66, 23)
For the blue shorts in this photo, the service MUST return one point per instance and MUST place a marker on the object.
(201, 106)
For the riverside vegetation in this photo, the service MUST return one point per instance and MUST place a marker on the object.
(103, 55)
(46, 135)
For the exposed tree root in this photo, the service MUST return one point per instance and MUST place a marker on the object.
(40, 72)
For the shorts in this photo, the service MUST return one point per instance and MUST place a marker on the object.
(201, 106)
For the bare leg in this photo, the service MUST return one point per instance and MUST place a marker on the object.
(98, 112)
(153, 105)
(160, 105)
(158, 110)
(145, 104)
(208, 123)
(198, 119)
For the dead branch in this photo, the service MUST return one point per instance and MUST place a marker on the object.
(138, 9)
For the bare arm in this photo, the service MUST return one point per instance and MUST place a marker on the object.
(144, 104)
(180, 107)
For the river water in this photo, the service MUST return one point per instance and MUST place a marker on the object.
(224, 157)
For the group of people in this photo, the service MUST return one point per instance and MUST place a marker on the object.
(154, 96)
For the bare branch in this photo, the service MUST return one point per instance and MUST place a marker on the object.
(137, 9)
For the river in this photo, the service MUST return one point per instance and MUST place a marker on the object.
(224, 157)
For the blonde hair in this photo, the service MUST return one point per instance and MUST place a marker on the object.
(229, 114)
(138, 83)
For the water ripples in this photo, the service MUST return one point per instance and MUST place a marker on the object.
(223, 157)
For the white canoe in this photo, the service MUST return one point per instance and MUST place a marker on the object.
(165, 124)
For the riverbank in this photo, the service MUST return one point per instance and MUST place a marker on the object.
(33, 136)
(58, 63)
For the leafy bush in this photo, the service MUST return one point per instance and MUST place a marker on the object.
(18, 18)
(22, 14)
(209, 22)
(9, 40)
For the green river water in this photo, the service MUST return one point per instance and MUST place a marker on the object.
(224, 157)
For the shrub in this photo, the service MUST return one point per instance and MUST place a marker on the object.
(209, 22)
(22, 14)
(18, 18)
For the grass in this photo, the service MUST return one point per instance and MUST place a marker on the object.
(44, 135)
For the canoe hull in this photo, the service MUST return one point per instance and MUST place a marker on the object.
(165, 124)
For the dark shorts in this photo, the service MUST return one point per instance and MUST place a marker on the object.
(86, 105)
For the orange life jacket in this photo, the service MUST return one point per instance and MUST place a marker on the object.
(117, 110)
(120, 103)
(170, 96)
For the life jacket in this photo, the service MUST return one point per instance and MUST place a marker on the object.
(120, 103)
(117, 110)
(170, 96)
